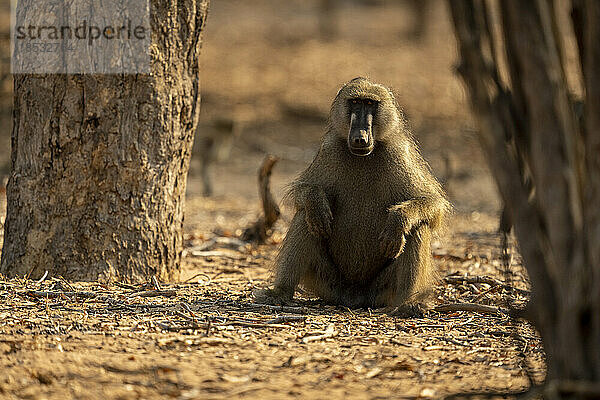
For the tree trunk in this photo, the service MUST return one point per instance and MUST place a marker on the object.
(99, 162)
(534, 139)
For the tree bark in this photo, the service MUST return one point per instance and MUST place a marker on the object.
(534, 139)
(99, 162)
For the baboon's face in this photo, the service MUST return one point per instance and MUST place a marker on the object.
(364, 114)
(360, 136)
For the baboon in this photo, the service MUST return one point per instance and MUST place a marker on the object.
(327, 19)
(420, 10)
(366, 208)
(213, 143)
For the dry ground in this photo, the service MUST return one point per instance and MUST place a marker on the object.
(206, 339)
(265, 66)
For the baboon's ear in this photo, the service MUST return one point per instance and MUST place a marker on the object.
(391, 92)
(338, 92)
(395, 103)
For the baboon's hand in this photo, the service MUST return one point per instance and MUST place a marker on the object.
(319, 217)
(272, 297)
(414, 310)
(393, 238)
(392, 243)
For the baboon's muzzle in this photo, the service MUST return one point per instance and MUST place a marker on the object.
(360, 137)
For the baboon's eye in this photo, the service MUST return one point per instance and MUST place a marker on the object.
(370, 102)
(354, 101)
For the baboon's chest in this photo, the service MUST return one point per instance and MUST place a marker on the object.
(359, 217)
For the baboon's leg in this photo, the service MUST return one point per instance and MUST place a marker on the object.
(208, 158)
(302, 260)
(406, 282)
(207, 189)
(327, 19)
(419, 10)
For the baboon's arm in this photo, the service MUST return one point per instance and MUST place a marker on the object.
(308, 195)
(313, 201)
(411, 213)
(406, 216)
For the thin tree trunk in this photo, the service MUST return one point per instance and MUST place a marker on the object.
(591, 208)
(533, 138)
(99, 162)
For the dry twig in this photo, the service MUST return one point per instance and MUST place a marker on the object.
(469, 307)
(287, 318)
(286, 309)
(54, 295)
(484, 279)
(329, 333)
(156, 293)
(258, 232)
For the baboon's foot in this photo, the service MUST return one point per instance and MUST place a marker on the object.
(353, 299)
(272, 297)
(410, 310)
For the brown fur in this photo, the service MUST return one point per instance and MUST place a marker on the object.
(212, 144)
(363, 225)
